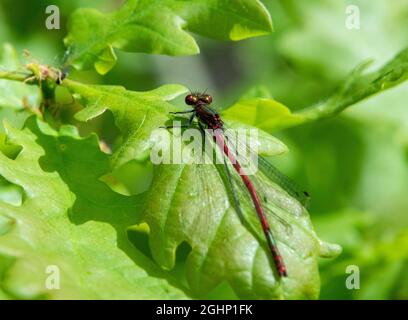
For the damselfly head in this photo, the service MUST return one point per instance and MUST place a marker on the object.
(195, 98)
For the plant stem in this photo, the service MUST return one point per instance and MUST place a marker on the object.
(14, 75)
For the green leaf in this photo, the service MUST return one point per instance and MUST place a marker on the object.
(10, 194)
(159, 27)
(71, 220)
(225, 20)
(6, 224)
(266, 114)
(136, 114)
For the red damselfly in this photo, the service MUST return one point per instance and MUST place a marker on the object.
(208, 118)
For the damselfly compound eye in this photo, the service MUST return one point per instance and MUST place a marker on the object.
(191, 99)
(206, 98)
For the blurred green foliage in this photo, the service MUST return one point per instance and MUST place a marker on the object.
(355, 165)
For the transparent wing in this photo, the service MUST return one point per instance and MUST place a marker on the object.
(246, 154)
(246, 201)
(279, 206)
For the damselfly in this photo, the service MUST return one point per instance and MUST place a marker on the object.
(208, 118)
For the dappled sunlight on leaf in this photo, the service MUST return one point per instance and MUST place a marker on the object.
(95, 261)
